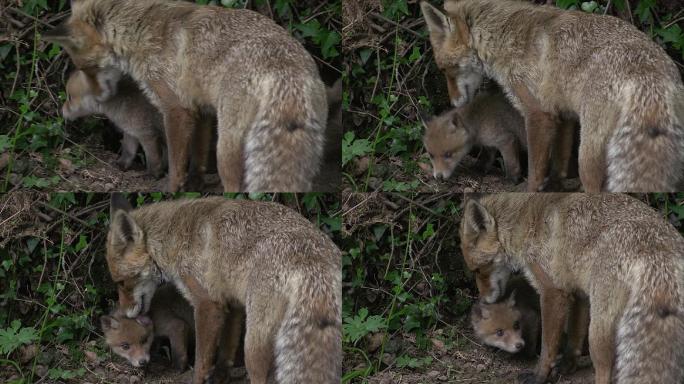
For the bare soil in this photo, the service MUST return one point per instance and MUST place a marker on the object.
(461, 360)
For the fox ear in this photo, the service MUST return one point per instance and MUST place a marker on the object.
(118, 202)
(455, 120)
(511, 299)
(108, 323)
(437, 22)
(144, 320)
(477, 219)
(125, 229)
(61, 34)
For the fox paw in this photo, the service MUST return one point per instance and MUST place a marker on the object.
(528, 377)
(565, 365)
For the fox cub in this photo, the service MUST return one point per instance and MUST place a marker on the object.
(489, 121)
(221, 253)
(170, 317)
(118, 98)
(512, 324)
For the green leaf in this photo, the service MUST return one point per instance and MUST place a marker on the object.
(15, 336)
(352, 148)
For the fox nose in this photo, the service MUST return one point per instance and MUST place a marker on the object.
(143, 362)
(519, 345)
(438, 176)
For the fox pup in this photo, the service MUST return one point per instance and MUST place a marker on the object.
(263, 85)
(170, 317)
(558, 65)
(609, 249)
(488, 121)
(122, 102)
(512, 324)
(261, 256)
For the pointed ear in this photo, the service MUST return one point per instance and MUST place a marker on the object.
(334, 94)
(437, 22)
(423, 116)
(61, 34)
(125, 230)
(144, 321)
(118, 202)
(477, 219)
(108, 323)
(458, 23)
(511, 300)
(455, 120)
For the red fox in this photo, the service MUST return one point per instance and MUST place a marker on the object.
(512, 324)
(170, 317)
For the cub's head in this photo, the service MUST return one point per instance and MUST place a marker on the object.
(81, 35)
(81, 90)
(129, 338)
(498, 325)
(483, 252)
(450, 39)
(129, 262)
(446, 141)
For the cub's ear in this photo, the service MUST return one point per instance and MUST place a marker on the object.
(125, 230)
(108, 323)
(455, 120)
(144, 320)
(118, 202)
(61, 34)
(477, 220)
(437, 22)
(334, 94)
(511, 299)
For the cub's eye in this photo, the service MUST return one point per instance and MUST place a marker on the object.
(499, 332)
(516, 325)
(125, 346)
(448, 155)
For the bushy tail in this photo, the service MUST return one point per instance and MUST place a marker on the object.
(284, 147)
(650, 335)
(309, 341)
(646, 152)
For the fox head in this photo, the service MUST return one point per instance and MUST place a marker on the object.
(450, 39)
(130, 265)
(129, 338)
(81, 36)
(446, 141)
(483, 252)
(498, 324)
(85, 92)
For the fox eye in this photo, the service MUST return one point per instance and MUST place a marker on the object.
(125, 346)
(448, 155)
(516, 325)
(499, 332)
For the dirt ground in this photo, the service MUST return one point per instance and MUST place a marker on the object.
(464, 360)
(100, 174)
(466, 178)
(112, 369)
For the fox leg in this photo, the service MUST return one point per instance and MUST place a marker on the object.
(153, 157)
(129, 148)
(200, 151)
(562, 149)
(509, 151)
(229, 158)
(209, 318)
(264, 315)
(177, 332)
(233, 332)
(541, 128)
(592, 165)
(578, 326)
(179, 127)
